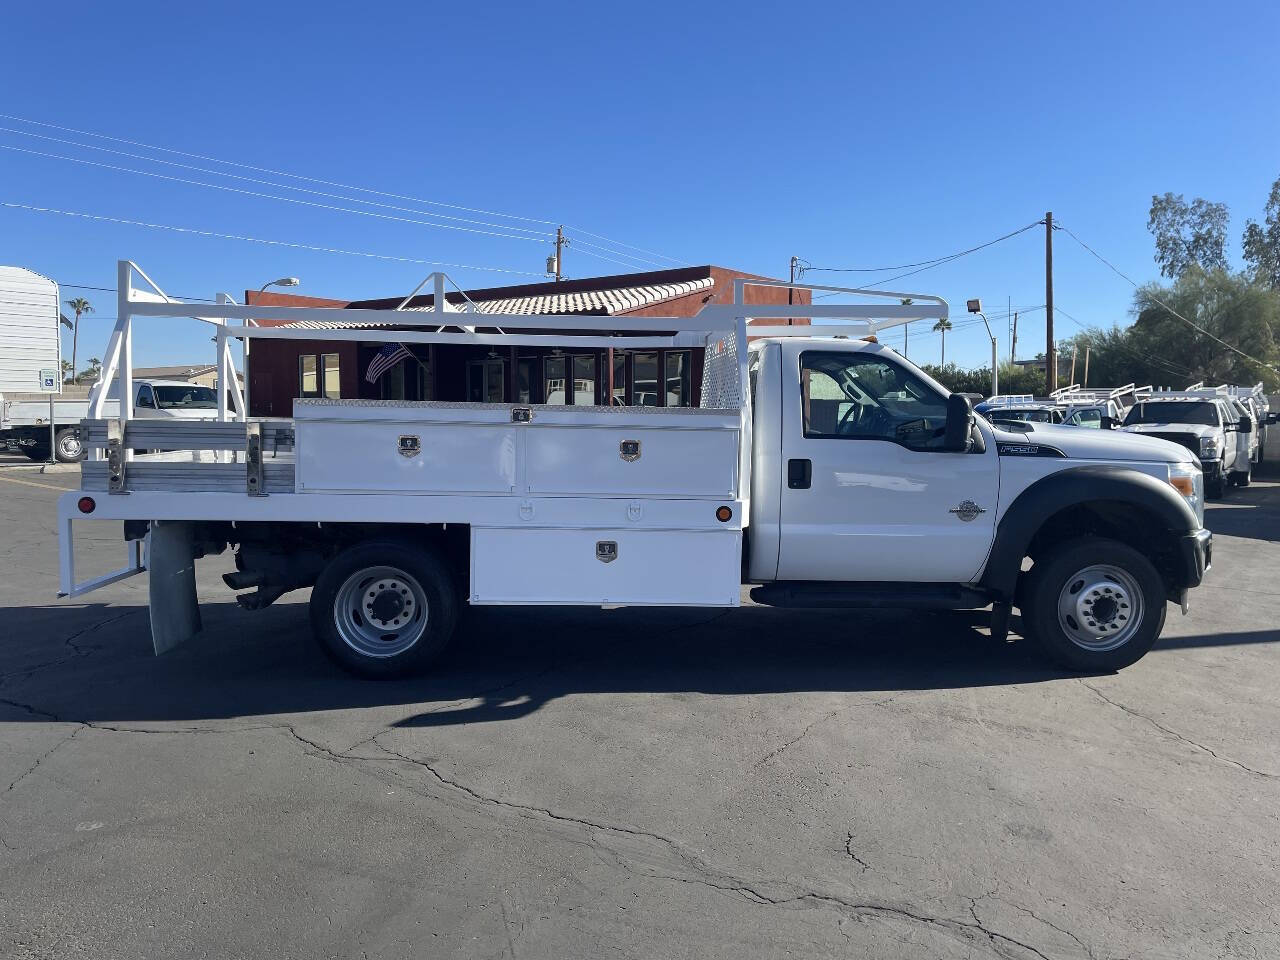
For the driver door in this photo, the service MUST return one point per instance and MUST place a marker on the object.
(867, 492)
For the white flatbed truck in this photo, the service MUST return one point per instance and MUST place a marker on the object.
(821, 467)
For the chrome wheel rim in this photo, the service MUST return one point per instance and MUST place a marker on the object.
(380, 611)
(1100, 608)
(69, 447)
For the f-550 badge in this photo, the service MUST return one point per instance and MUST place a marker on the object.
(968, 510)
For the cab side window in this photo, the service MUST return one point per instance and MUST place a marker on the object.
(868, 396)
(145, 399)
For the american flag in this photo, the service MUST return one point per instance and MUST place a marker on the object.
(385, 359)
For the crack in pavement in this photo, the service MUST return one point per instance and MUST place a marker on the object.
(848, 848)
(703, 873)
(71, 642)
(821, 720)
(43, 757)
(1177, 736)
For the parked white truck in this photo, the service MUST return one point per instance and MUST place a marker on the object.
(822, 468)
(1207, 423)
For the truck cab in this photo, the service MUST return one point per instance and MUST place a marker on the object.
(871, 482)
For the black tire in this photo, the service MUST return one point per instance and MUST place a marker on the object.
(1215, 486)
(67, 446)
(1051, 580)
(1244, 479)
(399, 573)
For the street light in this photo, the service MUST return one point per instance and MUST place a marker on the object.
(975, 306)
(282, 282)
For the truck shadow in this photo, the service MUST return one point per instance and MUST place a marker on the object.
(506, 663)
(1252, 513)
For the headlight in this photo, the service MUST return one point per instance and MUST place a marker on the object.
(1209, 446)
(1188, 480)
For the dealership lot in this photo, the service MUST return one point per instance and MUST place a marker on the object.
(635, 783)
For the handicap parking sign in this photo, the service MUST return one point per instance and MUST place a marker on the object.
(49, 380)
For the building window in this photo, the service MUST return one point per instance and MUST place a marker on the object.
(330, 377)
(553, 379)
(569, 380)
(584, 380)
(308, 377)
(487, 380)
(619, 398)
(319, 376)
(677, 382)
(644, 384)
(524, 380)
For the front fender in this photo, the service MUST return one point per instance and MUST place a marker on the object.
(1075, 486)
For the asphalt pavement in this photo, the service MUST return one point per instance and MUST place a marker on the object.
(587, 783)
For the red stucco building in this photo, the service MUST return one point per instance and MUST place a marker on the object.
(281, 370)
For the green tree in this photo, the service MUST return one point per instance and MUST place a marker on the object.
(66, 370)
(1261, 242)
(943, 326)
(79, 305)
(1188, 235)
(1229, 307)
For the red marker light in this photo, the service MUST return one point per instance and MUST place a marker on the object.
(86, 504)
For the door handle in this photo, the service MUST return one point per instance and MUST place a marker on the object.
(799, 474)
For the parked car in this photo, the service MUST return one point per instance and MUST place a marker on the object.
(1206, 425)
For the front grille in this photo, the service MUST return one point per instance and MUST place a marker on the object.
(1188, 440)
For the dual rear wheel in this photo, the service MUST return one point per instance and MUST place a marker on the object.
(384, 609)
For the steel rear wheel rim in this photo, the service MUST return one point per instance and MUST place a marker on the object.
(69, 447)
(381, 611)
(1100, 607)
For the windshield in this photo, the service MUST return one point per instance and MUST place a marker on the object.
(1173, 411)
(185, 398)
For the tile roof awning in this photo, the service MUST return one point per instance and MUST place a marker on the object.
(593, 302)
(604, 302)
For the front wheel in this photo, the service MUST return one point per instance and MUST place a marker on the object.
(384, 609)
(1245, 478)
(1094, 605)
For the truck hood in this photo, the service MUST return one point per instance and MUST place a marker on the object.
(1190, 429)
(1083, 443)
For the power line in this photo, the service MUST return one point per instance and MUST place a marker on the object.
(618, 243)
(923, 263)
(274, 243)
(1191, 323)
(1159, 361)
(271, 183)
(930, 264)
(318, 180)
(268, 196)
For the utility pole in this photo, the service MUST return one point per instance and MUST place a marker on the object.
(561, 243)
(1013, 346)
(1050, 350)
(1085, 381)
(1072, 378)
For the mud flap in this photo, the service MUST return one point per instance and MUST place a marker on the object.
(175, 612)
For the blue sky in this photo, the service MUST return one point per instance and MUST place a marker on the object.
(738, 134)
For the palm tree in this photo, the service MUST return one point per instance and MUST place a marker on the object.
(95, 367)
(79, 305)
(66, 369)
(942, 326)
